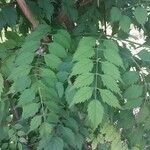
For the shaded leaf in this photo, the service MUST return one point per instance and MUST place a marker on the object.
(60, 89)
(134, 91)
(56, 143)
(140, 15)
(35, 122)
(130, 77)
(125, 23)
(52, 61)
(144, 55)
(26, 97)
(115, 14)
(45, 129)
(60, 39)
(57, 49)
(30, 110)
(25, 58)
(20, 71)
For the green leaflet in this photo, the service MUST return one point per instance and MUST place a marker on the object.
(141, 15)
(112, 56)
(111, 53)
(86, 41)
(1, 85)
(26, 97)
(30, 46)
(82, 95)
(110, 83)
(57, 49)
(83, 66)
(134, 91)
(95, 112)
(72, 124)
(30, 110)
(65, 34)
(63, 38)
(8, 65)
(66, 66)
(48, 76)
(60, 89)
(62, 76)
(109, 98)
(20, 71)
(85, 53)
(53, 117)
(110, 69)
(21, 83)
(85, 79)
(125, 23)
(115, 14)
(45, 129)
(25, 58)
(44, 72)
(85, 49)
(59, 38)
(69, 94)
(35, 122)
(52, 61)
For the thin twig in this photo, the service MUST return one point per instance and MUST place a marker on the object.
(143, 77)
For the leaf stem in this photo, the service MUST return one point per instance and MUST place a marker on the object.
(143, 77)
(95, 94)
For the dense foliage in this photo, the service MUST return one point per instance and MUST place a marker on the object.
(67, 83)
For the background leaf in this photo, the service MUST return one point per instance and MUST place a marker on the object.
(140, 15)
